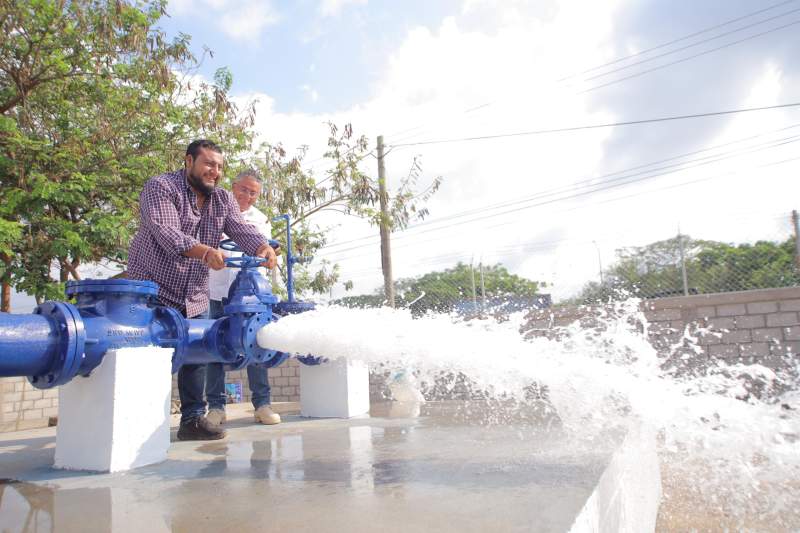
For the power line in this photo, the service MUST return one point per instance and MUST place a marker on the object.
(698, 43)
(598, 126)
(665, 65)
(602, 187)
(575, 185)
(618, 60)
(692, 45)
(516, 248)
(664, 45)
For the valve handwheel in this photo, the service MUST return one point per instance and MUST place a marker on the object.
(244, 261)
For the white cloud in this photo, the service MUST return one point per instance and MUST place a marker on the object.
(476, 75)
(242, 20)
(329, 8)
(248, 19)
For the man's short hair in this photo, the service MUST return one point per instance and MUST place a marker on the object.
(195, 146)
(249, 173)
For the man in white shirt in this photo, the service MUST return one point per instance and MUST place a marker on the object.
(246, 189)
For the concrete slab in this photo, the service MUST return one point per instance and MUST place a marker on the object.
(455, 467)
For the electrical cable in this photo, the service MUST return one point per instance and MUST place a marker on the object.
(577, 194)
(665, 65)
(681, 49)
(674, 41)
(598, 126)
(662, 55)
(707, 178)
(573, 185)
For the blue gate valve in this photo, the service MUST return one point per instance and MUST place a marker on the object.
(62, 340)
(281, 308)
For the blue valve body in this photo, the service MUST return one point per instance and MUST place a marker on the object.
(61, 340)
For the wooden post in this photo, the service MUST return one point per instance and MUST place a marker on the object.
(386, 249)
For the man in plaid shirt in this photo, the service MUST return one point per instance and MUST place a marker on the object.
(182, 217)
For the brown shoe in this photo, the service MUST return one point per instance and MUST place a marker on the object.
(265, 415)
(216, 416)
(200, 429)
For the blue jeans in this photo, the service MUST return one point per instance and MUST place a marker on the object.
(191, 380)
(257, 377)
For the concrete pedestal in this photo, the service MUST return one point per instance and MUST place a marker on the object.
(627, 495)
(455, 468)
(335, 389)
(118, 417)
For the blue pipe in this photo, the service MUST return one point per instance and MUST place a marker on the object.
(28, 344)
(290, 259)
(61, 340)
(290, 306)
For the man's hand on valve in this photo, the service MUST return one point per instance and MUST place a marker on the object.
(215, 259)
(268, 253)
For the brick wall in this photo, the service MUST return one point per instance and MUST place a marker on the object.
(284, 382)
(759, 326)
(24, 407)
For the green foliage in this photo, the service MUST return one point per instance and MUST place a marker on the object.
(747, 266)
(94, 100)
(92, 105)
(345, 189)
(442, 291)
(655, 270)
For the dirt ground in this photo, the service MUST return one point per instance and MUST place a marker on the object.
(686, 507)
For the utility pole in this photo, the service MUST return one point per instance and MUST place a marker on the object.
(483, 290)
(796, 224)
(599, 262)
(386, 249)
(683, 265)
(474, 296)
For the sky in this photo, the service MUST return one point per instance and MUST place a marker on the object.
(552, 207)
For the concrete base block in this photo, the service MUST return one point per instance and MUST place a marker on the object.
(335, 389)
(118, 417)
(628, 494)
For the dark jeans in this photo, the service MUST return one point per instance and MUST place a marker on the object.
(257, 377)
(191, 382)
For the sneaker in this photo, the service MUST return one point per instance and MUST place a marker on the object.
(265, 415)
(216, 416)
(200, 429)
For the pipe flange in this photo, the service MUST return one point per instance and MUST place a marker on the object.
(275, 359)
(175, 334)
(71, 344)
(292, 308)
(250, 342)
(111, 286)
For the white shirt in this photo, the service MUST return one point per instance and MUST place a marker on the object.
(219, 281)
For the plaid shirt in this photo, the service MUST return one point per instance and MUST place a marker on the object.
(170, 224)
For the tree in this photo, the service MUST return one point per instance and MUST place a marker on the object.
(93, 103)
(450, 289)
(724, 267)
(345, 188)
(655, 270)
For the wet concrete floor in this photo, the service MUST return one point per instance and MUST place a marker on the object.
(446, 466)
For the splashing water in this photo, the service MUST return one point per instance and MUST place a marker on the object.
(728, 434)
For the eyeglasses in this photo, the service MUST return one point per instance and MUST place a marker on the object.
(249, 192)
